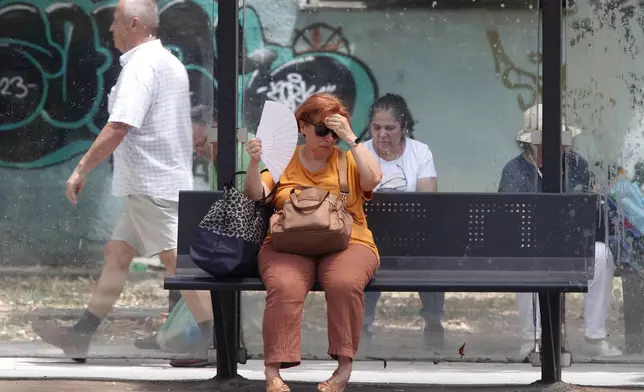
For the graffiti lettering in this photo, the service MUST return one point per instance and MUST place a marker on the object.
(529, 84)
(292, 91)
(512, 76)
(15, 86)
(55, 75)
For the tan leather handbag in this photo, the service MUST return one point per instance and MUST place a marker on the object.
(314, 221)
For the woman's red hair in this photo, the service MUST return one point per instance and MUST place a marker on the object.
(319, 106)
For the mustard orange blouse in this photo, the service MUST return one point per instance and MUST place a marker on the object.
(296, 174)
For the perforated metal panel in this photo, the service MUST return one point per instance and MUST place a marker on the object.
(400, 241)
(480, 225)
(463, 236)
(523, 213)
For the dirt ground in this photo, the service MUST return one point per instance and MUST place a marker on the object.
(486, 321)
(256, 386)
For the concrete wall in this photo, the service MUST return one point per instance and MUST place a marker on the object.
(467, 75)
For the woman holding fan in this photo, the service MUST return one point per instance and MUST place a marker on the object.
(322, 120)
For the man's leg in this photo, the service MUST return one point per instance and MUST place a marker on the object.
(197, 301)
(370, 302)
(200, 306)
(118, 255)
(432, 313)
(529, 323)
(156, 222)
(597, 304)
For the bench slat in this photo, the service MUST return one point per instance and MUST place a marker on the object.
(407, 281)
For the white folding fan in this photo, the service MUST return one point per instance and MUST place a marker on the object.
(277, 131)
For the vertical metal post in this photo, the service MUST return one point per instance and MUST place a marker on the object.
(224, 306)
(552, 62)
(551, 317)
(174, 296)
(550, 307)
(227, 34)
(227, 304)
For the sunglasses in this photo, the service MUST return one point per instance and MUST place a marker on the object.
(322, 130)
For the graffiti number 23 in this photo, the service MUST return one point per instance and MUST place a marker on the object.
(14, 87)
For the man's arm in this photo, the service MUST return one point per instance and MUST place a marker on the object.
(110, 137)
(132, 100)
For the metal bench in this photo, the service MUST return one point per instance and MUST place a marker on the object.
(434, 242)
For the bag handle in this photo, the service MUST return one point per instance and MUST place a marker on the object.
(343, 173)
(264, 196)
(293, 197)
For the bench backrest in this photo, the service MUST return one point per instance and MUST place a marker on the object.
(462, 231)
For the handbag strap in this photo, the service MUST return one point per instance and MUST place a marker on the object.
(265, 197)
(343, 172)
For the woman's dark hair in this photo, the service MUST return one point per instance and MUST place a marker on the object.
(398, 106)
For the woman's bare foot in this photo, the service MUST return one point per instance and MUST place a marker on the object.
(274, 382)
(336, 383)
(339, 380)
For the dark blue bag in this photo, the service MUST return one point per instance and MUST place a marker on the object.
(228, 238)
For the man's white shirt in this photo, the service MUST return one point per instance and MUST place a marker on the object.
(152, 96)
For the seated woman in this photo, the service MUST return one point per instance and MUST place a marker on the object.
(322, 120)
(523, 174)
(407, 166)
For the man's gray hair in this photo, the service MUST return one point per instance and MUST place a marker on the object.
(146, 10)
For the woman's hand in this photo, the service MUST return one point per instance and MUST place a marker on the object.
(254, 149)
(340, 125)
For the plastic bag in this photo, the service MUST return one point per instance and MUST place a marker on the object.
(629, 200)
(180, 333)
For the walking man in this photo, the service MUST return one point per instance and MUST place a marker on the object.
(149, 132)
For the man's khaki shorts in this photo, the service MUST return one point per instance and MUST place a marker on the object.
(148, 224)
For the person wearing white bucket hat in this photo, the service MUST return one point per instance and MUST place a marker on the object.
(523, 174)
(532, 131)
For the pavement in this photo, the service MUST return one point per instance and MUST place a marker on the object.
(398, 347)
(365, 372)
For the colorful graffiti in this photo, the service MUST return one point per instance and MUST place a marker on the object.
(291, 74)
(55, 74)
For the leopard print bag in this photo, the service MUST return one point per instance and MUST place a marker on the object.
(229, 236)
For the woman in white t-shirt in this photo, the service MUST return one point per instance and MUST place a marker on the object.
(407, 166)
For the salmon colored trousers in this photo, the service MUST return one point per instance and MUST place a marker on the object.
(289, 278)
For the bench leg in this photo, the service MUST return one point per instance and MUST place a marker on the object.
(226, 313)
(550, 304)
(174, 296)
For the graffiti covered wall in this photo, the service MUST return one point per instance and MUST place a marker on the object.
(54, 81)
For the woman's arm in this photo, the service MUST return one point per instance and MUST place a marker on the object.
(368, 167)
(254, 188)
(427, 181)
(428, 184)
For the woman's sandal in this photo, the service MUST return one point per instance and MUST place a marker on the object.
(334, 384)
(276, 384)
